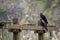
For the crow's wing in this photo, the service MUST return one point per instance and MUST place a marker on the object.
(44, 18)
(44, 24)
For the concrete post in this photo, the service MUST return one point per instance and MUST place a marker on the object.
(16, 36)
(40, 36)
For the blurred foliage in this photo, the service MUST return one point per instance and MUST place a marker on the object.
(40, 4)
(26, 9)
(7, 35)
(2, 10)
(48, 13)
(9, 1)
(47, 38)
(53, 4)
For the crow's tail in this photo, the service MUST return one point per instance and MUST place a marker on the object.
(46, 28)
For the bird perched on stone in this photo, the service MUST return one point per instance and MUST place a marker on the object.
(43, 21)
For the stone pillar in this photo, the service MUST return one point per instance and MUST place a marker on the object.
(16, 36)
(16, 33)
(40, 34)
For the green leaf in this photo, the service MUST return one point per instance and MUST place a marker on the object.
(26, 9)
(48, 13)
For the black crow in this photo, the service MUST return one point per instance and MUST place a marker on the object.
(43, 21)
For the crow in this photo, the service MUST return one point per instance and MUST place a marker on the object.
(43, 21)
